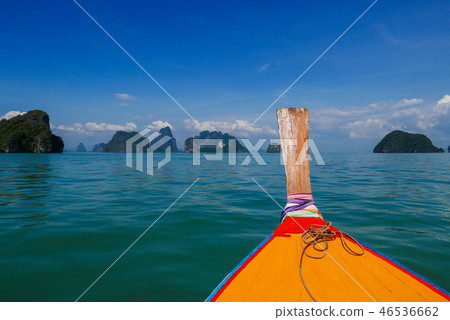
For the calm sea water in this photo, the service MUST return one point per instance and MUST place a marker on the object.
(64, 218)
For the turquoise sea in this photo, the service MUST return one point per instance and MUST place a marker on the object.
(64, 218)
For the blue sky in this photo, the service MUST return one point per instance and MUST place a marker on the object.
(226, 62)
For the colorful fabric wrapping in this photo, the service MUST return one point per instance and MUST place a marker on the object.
(300, 205)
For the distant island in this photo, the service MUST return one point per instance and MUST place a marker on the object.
(29, 133)
(81, 148)
(119, 140)
(98, 147)
(188, 143)
(403, 142)
(273, 148)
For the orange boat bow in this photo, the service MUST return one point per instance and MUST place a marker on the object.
(271, 273)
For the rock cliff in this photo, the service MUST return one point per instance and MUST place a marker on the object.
(403, 142)
(29, 133)
(274, 148)
(188, 144)
(118, 141)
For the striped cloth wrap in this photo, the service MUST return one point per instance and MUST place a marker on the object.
(300, 205)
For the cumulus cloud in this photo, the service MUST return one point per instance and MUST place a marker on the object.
(11, 114)
(365, 129)
(378, 119)
(156, 125)
(408, 102)
(241, 128)
(77, 127)
(124, 96)
(93, 127)
(445, 100)
(442, 107)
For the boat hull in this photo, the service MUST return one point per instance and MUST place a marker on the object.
(271, 273)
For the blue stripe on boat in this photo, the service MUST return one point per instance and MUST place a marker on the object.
(237, 268)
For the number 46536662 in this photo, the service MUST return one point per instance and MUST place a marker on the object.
(409, 311)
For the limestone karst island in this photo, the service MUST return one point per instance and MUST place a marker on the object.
(403, 142)
(29, 133)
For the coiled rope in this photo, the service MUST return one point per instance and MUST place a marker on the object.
(318, 236)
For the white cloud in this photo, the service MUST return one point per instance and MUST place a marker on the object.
(408, 102)
(156, 125)
(442, 107)
(67, 128)
(264, 67)
(445, 100)
(366, 129)
(92, 127)
(241, 128)
(377, 119)
(11, 114)
(124, 96)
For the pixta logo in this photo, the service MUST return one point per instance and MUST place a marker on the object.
(308, 148)
(139, 142)
(146, 143)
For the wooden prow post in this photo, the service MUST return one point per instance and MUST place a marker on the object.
(293, 124)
